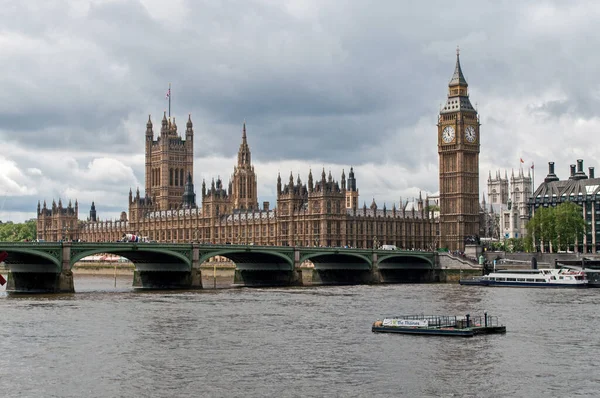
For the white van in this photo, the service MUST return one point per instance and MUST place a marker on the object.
(389, 247)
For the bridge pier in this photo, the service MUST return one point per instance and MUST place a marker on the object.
(167, 279)
(252, 278)
(344, 277)
(40, 282)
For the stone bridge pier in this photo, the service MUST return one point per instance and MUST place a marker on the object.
(46, 271)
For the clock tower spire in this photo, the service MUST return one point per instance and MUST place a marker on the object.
(458, 150)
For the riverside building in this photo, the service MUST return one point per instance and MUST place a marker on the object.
(580, 188)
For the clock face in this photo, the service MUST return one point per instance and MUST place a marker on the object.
(470, 134)
(448, 134)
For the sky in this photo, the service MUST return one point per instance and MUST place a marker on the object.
(321, 84)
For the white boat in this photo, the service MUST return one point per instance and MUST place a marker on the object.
(531, 278)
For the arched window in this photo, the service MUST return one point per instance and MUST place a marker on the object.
(182, 181)
(176, 178)
(170, 176)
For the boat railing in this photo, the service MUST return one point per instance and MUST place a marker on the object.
(461, 322)
(432, 320)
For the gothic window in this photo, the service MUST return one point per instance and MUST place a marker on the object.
(170, 176)
(328, 206)
(176, 178)
(181, 177)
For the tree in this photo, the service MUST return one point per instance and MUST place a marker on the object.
(570, 225)
(11, 232)
(556, 227)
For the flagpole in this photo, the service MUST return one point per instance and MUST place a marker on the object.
(169, 100)
(532, 178)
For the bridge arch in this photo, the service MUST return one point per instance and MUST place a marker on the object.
(137, 254)
(405, 260)
(23, 255)
(338, 259)
(255, 258)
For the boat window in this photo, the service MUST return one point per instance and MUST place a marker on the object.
(520, 279)
(501, 279)
(530, 280)
(511, 279)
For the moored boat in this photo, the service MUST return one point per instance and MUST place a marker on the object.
(439, 325)
(531, 278)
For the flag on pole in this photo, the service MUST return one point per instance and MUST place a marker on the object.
(168, 93)
(522, 161)
(532, 165)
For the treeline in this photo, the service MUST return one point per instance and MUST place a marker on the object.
(13, 232)
(555, 228)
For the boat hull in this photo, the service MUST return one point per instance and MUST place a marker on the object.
(522, 284)
(466, 332)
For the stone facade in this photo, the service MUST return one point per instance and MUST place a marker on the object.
(320, 212)
(508, 203)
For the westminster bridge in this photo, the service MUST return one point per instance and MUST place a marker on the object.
(47, 266)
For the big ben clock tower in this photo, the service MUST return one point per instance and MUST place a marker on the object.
(458, 149)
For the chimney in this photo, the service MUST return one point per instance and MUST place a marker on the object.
(580, 175)
(572, 172)
(591, 172)
(265, 206)
(551, 176)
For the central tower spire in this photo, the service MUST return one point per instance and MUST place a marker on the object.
(244, 193)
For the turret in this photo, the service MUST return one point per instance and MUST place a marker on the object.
(343, 180)
(278, 184)
(189, 131)
(93, 212)
(310, 181)
(164, 129)
(189, 197)
(149, 130)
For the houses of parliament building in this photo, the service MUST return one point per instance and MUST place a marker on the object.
(322, 211)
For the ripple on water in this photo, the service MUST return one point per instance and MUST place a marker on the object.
(289, 342)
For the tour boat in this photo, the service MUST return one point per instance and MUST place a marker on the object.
(440, 325)
(531, 278)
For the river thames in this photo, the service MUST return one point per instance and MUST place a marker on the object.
(294, 342)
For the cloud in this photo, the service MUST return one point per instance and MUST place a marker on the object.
(320, 84)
